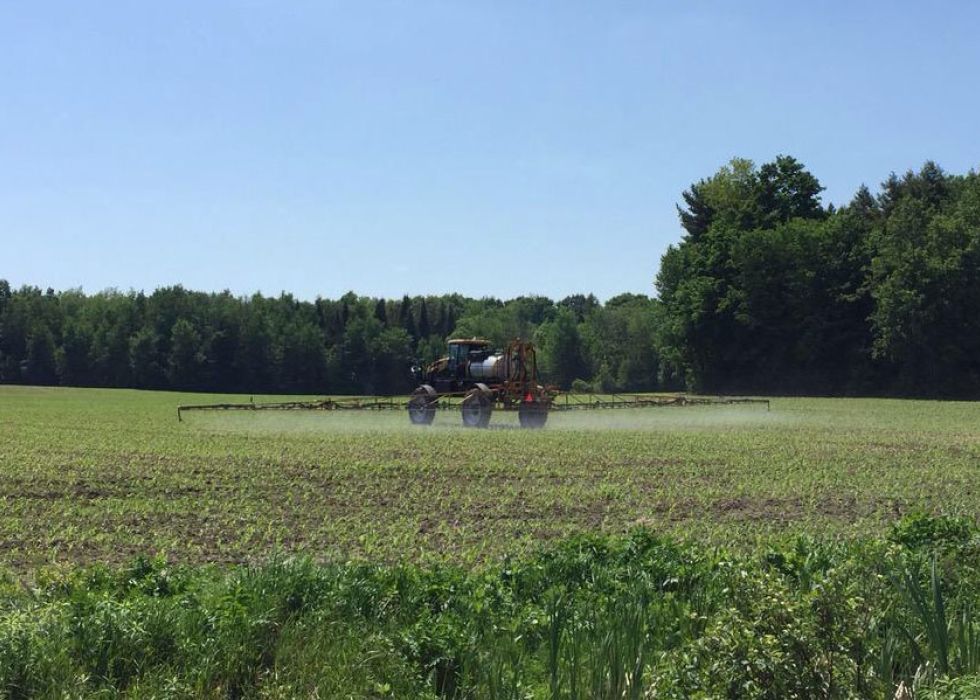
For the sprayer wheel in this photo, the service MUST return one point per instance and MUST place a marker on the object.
(532, 414)
(422, 405)
(476, 409)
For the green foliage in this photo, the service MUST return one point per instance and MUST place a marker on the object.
(39, 363)
(925, 281)
(627, 617)
(787, 191)
(185, 361)
(919, 529)
(768, 291)
(144, 359)
(185, 340)
(561, 356)
(963, 688)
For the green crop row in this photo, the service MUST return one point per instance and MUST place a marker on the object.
(105, 475)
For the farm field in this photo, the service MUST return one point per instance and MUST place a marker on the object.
(825, 548)
(105, 475)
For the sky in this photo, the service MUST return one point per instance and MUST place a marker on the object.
(486, 148)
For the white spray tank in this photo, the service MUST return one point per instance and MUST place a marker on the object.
(493, 367)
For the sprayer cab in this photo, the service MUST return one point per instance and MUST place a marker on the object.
(466, 354)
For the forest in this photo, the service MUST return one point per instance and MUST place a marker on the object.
(179, 339)
(768, 291)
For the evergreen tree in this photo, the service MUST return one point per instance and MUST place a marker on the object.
(448, 320)
(406, 319)
(380, 312)
(5, 295)
(423, 326)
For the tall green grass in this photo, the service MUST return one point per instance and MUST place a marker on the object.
(633, 617)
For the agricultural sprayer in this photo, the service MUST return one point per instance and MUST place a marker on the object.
(484, 380)
(477, 380)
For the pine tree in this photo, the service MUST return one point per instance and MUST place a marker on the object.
(406, 319)
(424, 328)
(380, 312)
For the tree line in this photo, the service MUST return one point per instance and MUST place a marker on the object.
(180, 339)
(768, 291)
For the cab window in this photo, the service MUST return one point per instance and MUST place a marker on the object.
(457, 354)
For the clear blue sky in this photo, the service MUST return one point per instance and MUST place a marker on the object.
(489, 148)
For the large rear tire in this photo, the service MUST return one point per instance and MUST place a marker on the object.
(476, 408)
(422, 405)
(532, 414)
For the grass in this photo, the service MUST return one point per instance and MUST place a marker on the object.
(107, 475)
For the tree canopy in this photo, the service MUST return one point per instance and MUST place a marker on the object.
(179, 339)
(770, 291)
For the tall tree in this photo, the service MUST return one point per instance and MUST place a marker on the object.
(39, 364)
(255, 361)
(380, 312)
(186, 361)
(304, 359)
(787, 191)
(926, 283)
(109, 351)
(561, 351)
(144, 360)
(424, 329)
(406, 318)
(708, 334)
(580, 305)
